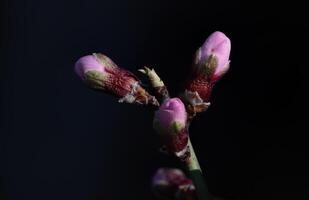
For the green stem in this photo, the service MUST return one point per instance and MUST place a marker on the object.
(161, 92)
(196, 175)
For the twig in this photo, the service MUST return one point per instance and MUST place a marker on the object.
(161, 92)
(196, 175)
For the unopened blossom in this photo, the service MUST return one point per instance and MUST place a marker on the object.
(101, 73)
(170, 122)
(211, 62)
(169, 183)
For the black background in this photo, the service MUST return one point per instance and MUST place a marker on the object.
(60, 140)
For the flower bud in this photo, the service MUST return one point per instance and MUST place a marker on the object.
(212, 59)
(101, 73)
(169, 183)
(170, 122)
(211, 62)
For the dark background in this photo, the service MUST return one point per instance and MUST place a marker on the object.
(60, 140)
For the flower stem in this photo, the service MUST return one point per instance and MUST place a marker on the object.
(196, 175)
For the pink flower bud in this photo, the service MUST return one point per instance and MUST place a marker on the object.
(101, 73)
(169, 183)
(171, 116)
(216, 47)
(211, 62)
(170, 122)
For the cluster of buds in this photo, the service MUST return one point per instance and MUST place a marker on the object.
(100, 73)
(211, 62)
(173, 184)
(171, 120)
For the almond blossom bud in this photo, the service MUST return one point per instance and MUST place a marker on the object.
(213, 57)
(101, 73)
(170, 122)
(169, 183)
(211, 62)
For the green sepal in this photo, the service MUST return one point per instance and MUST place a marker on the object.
(210, 65)
(174, 128)
(177, 127)
(104, 60)
(95, 79)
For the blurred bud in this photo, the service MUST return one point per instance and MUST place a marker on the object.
(211, 62)
(101, 73)
(173, 184)
(170, 122)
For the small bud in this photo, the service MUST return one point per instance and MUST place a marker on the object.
(101, 73)
(170, 122)
(169, 183)
(171, 116)
(211, 62)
